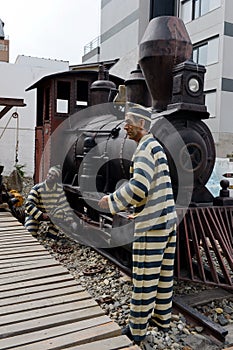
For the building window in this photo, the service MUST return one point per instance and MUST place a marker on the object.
(206, 52)
(191, 9)
(47, 103)
(186, 11)
(3, 47)
(82, 93)
(162, 8)
(210, 102)
(63, 97)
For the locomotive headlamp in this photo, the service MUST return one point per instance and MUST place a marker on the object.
(188, 88)
(193, 85)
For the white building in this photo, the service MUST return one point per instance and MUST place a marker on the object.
(15, 79)
(210, 27)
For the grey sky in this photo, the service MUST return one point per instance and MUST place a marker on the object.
(55, 29)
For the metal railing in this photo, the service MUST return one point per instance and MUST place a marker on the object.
(92, 45)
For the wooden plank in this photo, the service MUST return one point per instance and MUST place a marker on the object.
(18, 239)
(46, 322)
(4, 263)
(60, 337)
(18, 228)
(12, 228)
(18, 245)
(9, 223)
(6, 259)
(15, 233)
(12, 255)
(22, 250)
(6, 213)
(50, 271)
(37, 288)
(41, 295)
(18, 234)
(56, 309)
(23, 265)
(6, 227)
(44, 281)
(115, 343)
(8, 219)
(13, 102)
(37, 265)
(36, 304)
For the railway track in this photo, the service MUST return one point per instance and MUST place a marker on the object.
(184, 304)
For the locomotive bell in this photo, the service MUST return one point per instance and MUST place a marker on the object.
(102, 88)
(165, 43)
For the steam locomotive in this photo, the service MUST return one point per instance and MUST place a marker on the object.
(95, 154)
(91, 144)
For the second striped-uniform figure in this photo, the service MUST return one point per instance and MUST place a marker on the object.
(47, 202)
(149, 190)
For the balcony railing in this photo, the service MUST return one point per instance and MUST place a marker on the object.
(92, 45)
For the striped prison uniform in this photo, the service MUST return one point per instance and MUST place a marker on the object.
(149, 190)
(43, 199)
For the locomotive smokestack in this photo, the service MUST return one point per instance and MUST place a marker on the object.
(165, 43)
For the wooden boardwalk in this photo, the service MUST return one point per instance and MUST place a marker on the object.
(42, 307)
